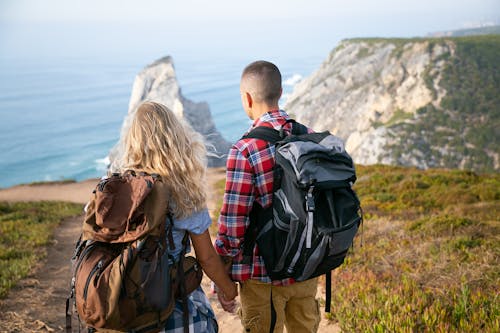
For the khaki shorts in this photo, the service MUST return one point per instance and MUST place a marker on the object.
(295, 307)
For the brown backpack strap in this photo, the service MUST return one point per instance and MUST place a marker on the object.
(68, 314)
(169, 233)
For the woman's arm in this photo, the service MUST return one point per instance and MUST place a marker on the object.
(212, 264)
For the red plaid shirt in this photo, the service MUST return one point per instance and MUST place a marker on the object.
(249, 178)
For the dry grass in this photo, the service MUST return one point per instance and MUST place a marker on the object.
(430, 257)
(430, 253)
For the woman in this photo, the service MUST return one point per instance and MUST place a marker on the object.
(157, 142)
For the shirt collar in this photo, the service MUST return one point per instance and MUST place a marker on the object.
(270, 116)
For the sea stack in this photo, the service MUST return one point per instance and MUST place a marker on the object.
(158, 82)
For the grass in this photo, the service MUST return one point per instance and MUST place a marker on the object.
(218, 193)
(25, 229)
(429, 260)
(430, 253)
(398, 117)
(53, 182)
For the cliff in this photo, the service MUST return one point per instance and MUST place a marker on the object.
(158, 82)
(415, 102)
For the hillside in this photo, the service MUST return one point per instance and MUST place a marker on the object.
(424, 102)
(427, 259)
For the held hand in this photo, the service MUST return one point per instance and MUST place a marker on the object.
(228, 306)
(230, 295)
(227, 300)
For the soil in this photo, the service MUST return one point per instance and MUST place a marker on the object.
(37, 302)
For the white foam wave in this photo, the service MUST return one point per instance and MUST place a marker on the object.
(102, 163)
(293, 80)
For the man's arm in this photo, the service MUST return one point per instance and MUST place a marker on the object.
(236, 205)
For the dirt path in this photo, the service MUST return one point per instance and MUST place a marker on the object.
(37, 303)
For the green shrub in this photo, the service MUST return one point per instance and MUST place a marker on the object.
(430, 255)
(24, 229)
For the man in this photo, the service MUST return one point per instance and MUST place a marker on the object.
(266, 306)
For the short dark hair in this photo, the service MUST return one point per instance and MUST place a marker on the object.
(266, 81)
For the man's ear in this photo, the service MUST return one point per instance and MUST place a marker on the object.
(249, 100)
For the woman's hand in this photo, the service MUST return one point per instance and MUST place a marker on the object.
(213, 266)
(227, 301)
(228, 306)
(232, 293)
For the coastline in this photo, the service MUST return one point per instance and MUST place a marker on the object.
(77, 191)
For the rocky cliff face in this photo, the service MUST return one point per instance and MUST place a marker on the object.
(158, 82)
(402, 101)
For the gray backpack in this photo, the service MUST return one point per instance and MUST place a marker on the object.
(315, 214)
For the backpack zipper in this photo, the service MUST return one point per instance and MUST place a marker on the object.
(85, 252)
(97, 271)
(83, 255)
(79, 247)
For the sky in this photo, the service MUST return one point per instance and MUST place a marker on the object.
(224, 28)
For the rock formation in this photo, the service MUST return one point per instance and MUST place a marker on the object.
(158, 82)
(406, 101)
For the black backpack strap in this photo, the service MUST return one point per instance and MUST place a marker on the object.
(264, 133)
(258, 216)
(271, 135)
(328, 290)
(297, 128)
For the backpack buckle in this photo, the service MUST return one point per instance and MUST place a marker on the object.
(310, 206)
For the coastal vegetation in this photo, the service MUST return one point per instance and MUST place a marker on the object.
(427, 256)
(470, 109)
(25, 229)
(425, 260)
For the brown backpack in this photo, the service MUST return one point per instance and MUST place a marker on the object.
(123, 277)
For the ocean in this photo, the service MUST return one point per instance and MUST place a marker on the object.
(61, 116)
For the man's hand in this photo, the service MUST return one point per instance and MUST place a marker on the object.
(227, 305)
(227, 301)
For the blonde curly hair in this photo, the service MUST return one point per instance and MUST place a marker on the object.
(158, 142)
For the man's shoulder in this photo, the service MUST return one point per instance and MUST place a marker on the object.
(248, 146)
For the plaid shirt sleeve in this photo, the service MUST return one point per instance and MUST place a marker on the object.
(236, 205)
